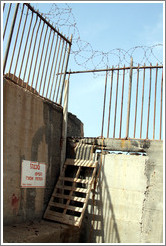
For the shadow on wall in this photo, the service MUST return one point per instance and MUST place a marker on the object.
(99, 225)
(50, 136)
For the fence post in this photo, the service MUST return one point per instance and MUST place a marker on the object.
(64, 124)
(10, 36)
(64, 76)
(105, 90)
(129, 99)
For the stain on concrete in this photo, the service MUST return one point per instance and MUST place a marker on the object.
(135, 143)
(146, 144)
(15, 204)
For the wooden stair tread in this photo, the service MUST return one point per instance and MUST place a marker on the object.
(68, 207)
(77, 162)
(73, 198)
(75, 189)
(83, 181)
(65, 219)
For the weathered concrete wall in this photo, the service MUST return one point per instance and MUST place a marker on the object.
(128, 204)
(31, 131)
(75, 126)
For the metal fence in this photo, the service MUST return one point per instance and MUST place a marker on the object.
(135, 102)
(35, 52)
(132, 101)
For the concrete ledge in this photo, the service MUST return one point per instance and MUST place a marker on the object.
(128, 145)
(40, 232)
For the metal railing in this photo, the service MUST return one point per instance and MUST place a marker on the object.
(132, 102)
(34, 51)
(135, 102)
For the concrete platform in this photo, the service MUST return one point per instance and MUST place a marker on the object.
(40, 232)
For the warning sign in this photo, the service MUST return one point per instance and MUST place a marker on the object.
(33, 174)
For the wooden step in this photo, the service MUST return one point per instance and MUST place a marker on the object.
(73, 198)
(68, 207)
(83, 181)
(84, 163)
(75, 189)
(63, 218)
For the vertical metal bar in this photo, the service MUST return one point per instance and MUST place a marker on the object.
(7, 19)
(51, 70)
(58, 69)
(55, 67)
(143, 85)
(66, 65)
(149, 102)
(109, 114)
(121, 113)
(10, 36)
(161, 104)
(29, 50)
(21, 42)
(117, 86)
(33, 52)
(136, 105)
(44, 61)
(25, 48)
(154, 119)
(60, 76)
(4, 6)
(34, 70)
(129, 99)
(48, 62)
(16, 39)
(65, 120)
(41, 56)
(102, 128)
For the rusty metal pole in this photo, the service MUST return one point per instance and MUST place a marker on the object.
(136, 105)
(66, 65)
(10, 36)
(129, 99)
(121, 113)
(16, 38)
(161, 102)
(154, 119)
(64, 126)
(147, 130)
(142, 108)
(7, 20)
(102, 128)
(60, 77)
(48, 62)
(59, 63)
(34, 70)
(21, 42)
(109, 114)
(55, 67)
(41, 56)
(51, 70)
(117, 85)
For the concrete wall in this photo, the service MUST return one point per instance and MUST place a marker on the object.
(75, 126)
(128, 202)
(31, 131)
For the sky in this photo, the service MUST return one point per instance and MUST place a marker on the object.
(104, 29)
(108, 26)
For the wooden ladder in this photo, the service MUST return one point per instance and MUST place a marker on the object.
(70, 197)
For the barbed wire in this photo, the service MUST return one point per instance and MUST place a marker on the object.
(83, 52)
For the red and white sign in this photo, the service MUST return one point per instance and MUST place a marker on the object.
(33, 174)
